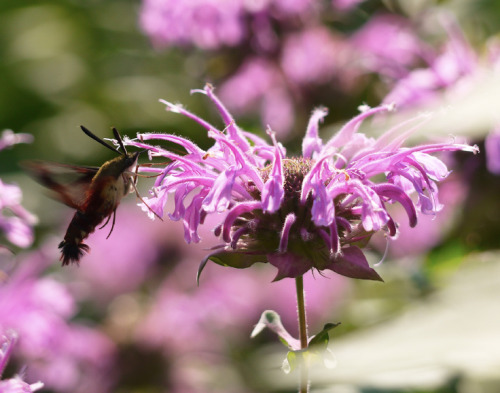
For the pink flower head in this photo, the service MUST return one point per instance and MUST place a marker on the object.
(15, 221)
(258, 84)
(314, 55)
(400, 49)
(456, 63)
(65, 355)
(315, 211)
(206, 24)
(213, 24)
(8, 340)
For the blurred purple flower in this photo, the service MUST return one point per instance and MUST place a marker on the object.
(8, 340)
(121, 263)
(258, 30)
(184, 318)
(259, 84)
(82, 361)
(401, 46)
(9, 139)
(453, 73)
(286, 8)
(492, 149)
(35, 307)
(18, 223)
(310, 57)
(254, 79)
(297, 213)
(214, 24)
(206, 24)
(314, 55)
(446, 70)
(66, 356)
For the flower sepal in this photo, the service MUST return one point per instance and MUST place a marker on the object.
(352, 263)
(231, 258)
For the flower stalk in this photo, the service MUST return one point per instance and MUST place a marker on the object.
(301, 311)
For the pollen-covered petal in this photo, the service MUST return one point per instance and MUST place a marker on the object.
(351, 262)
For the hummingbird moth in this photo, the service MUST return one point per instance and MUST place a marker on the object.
(95, 193)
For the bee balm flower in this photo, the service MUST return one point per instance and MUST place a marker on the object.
(16, 384)
(315, 211)
(16, 223)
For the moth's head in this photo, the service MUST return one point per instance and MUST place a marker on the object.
(131, 160)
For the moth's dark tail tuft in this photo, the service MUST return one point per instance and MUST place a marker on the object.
(72, 252)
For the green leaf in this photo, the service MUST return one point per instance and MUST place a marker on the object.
(236, 259)
(320, 341)
(290, 362)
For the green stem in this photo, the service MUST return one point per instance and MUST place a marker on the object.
(301, 309)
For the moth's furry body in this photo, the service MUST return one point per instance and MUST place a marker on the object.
(94, 193)
(106, 190)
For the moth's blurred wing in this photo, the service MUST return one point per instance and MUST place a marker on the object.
(68, 183)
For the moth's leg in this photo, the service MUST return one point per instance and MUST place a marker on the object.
(112, 224)
(106, 223)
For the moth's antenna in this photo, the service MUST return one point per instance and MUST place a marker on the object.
(97, 139)
(119, 139)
